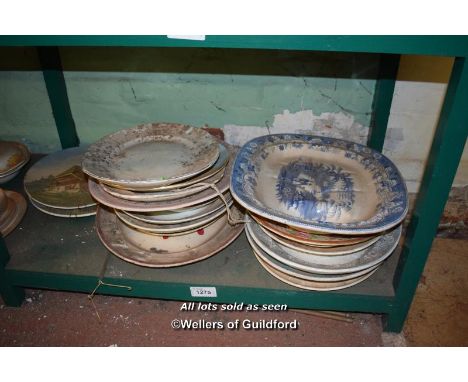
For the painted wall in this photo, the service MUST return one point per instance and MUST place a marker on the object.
(245, 92)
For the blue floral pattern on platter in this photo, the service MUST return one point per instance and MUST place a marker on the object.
(309, 188)
(319, 191)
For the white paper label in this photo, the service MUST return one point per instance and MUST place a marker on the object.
(203, 292)
(198, 37)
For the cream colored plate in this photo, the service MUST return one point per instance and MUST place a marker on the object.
(350, 263)
(13, 156)
(103, 197)
(226, 153)
(324, 251)
(65, 213)
(151, 155)
(184, 214)
(309, 238)
(162, 195)
(170, 229)
(155, 251)
(312, 285)
(14, 213)
(278, 265)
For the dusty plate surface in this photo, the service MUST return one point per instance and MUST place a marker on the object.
(349, 263)
(278, 265)
(11, 217)
(226, 153)
(151, 155)
(65, 213)
(309, 238)
(321, 184)
(183, 214)
(312, 285)
(57, 180)
(159, 252)
(103, 197)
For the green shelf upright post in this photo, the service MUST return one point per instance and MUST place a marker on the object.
(444, 157)
(49, 58)
(12, 295)
(383, 96)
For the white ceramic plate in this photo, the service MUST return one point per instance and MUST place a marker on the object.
(349, 263)
(65, 213)
(155, 196)
(170, 229)
(312, 285)
(155, 251)
(278, 265)
(184, 214)
(151, 155)
(323, 251)
(319, 184)
(103, 197)
(57, 181)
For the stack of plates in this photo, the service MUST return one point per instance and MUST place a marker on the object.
(325, 213)
(57, 186)
(13, 156)
(153, 181)
(12, 209)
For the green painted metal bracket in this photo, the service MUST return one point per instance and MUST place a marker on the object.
(12, 295)
(383, 96)
(444, 157)
(49, 58)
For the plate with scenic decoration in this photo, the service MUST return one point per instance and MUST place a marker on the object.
(57, 180)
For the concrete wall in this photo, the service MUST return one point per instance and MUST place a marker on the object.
(245, 92)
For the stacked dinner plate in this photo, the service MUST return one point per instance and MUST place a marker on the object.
(13, 156)
(325, 213)
(164, 193)
(57, 186)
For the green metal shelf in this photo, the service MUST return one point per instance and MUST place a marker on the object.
(54, 253)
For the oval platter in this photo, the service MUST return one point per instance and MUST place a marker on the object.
(319, 184)
(151, 155)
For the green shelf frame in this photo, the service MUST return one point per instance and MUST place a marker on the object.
(64, 261)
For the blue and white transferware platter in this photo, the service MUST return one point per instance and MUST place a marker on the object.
(319, 184)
